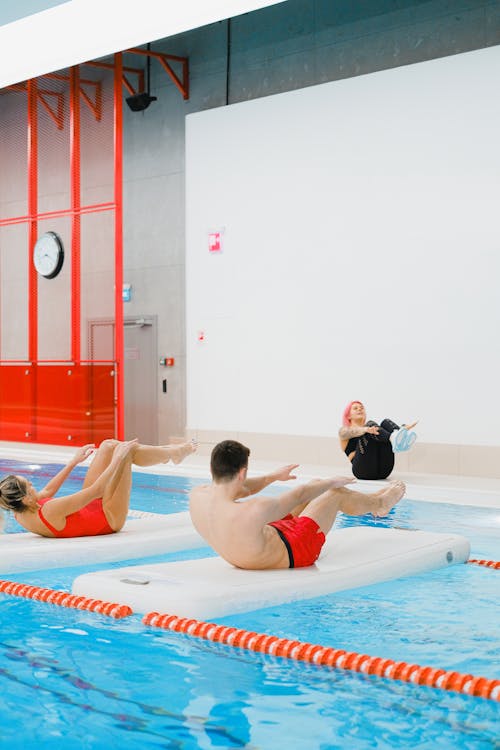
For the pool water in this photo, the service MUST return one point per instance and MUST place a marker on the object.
(74, 679)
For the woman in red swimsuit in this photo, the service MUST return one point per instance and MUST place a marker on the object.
(101, 506)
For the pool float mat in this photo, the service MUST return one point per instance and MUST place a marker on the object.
(153, 534)
(211, 587)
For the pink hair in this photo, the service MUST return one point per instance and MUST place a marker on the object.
(346, 414)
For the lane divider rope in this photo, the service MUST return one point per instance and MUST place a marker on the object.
(443, 679)
(65, 599)
(466, 684)
(487, 563)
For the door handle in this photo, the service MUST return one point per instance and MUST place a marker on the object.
(139, 323)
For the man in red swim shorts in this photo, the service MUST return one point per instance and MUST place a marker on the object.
(274, 532)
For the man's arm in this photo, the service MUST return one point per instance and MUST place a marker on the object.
(256, 484)
(267, 509)
(56, 482)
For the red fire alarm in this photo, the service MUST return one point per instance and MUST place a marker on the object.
(167, 361)
(215, 242)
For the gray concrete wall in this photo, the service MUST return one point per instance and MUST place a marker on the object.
(291, 45)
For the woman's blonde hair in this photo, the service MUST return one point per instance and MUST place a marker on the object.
(12, 493)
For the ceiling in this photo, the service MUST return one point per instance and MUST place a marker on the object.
(75, 31)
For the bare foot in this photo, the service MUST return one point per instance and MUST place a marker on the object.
(389, 497)
(179, 452)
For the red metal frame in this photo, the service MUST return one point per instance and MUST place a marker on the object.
(118, 156)
(66, 400)
(57, 114)
(94, 208)
(50, 397)
(137, 71)
(164, 60)
(32, 165)
(74, 159)
(29, 385)
(94, 106)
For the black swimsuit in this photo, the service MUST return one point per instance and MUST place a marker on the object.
(373, 455)
(351, 446)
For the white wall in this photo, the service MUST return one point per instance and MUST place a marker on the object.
(360, 259)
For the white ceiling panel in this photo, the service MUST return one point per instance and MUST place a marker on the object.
(82, 30)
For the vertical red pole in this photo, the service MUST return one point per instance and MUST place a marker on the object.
(118, 169)
(33, 223)
(30, 417)
(74, 157)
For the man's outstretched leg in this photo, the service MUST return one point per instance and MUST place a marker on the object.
(324, 508)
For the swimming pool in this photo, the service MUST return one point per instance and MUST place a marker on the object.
(93, 683)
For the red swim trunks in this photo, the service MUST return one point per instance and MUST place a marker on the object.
(88, 521)
(302, 537)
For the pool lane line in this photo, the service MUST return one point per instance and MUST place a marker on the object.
(467, 684)
(402, 671)
(494, 564)
(65, 599)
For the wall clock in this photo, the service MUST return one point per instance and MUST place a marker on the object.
(48, 255)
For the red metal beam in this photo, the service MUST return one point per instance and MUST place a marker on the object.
(94, 106)
(33, 427)
(125, 69)
(164, 60)
(32, 164)
(91, 209)
(32, 168)
(56, 361)
(58, 114)
(62, 77)
(118, 168)
(74, 156)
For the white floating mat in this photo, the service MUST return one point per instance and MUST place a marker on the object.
(210, 587)
(152, 535)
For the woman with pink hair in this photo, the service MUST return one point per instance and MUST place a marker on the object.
(370, 446)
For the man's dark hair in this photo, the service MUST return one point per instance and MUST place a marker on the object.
(227, 459)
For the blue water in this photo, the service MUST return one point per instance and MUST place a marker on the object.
(74, 679)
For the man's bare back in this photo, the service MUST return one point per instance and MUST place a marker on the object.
(233, 529)
(238, 528)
